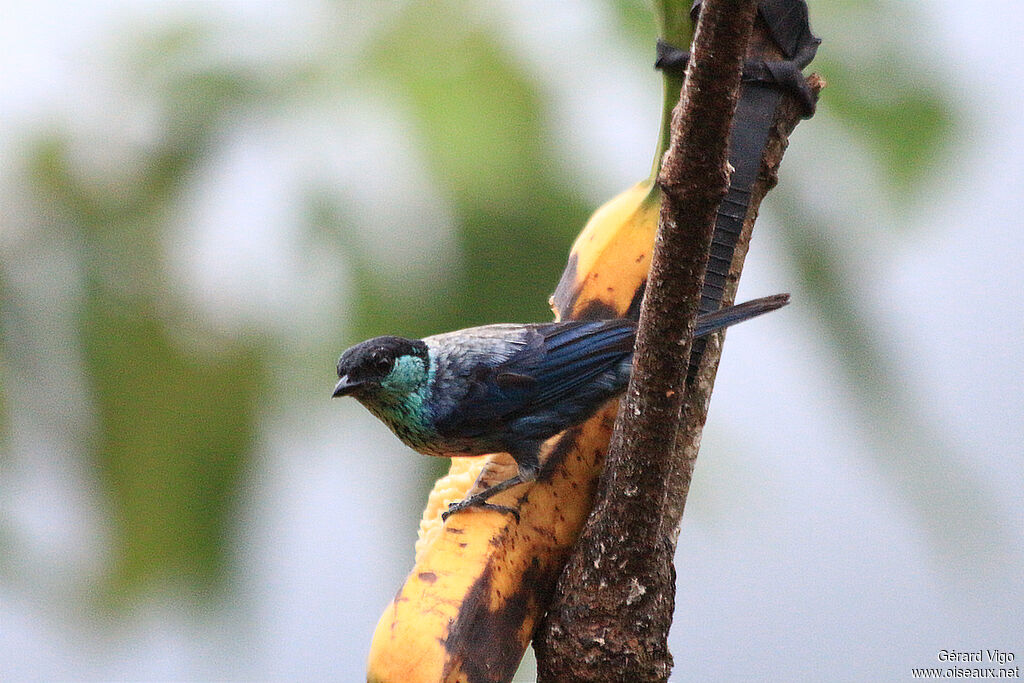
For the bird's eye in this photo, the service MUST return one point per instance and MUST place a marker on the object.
(382, 364)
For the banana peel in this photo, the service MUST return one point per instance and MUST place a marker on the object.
(610, 260)
(482, 580)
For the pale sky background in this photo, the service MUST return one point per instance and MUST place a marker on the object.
(798, 560)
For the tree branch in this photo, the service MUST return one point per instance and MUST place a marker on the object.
(614, 602)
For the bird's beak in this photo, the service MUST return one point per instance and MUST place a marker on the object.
(345, 386)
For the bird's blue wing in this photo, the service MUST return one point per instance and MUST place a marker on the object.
(556, 374)
(567, 361)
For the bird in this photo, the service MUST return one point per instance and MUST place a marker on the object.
(502, 388)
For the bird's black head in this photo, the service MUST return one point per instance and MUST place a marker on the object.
(369, 363)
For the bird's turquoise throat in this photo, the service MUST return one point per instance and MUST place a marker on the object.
(401, 402)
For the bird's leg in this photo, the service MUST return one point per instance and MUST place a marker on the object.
(479, 500)
(528, 468)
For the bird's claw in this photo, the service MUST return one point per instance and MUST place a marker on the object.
(471, 503)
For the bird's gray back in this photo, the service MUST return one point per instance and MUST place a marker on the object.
(460, 360)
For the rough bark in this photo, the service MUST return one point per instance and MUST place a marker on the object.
(614, 601)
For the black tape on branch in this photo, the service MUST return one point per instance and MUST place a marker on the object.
(789, 26)
(784, 75)
(764, 83)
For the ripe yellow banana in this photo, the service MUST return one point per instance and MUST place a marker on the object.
(609, 261)
(481, 580)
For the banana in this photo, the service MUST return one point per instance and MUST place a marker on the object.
(482, 580)
(610, 258)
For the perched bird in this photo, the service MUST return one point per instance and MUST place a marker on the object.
(502, 388)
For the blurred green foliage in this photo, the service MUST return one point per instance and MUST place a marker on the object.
(480, 119)
(175, 429)
(916, 457)
(176, 416)
(904, 126)
(175, 426)
(4, 413)
(898, 108)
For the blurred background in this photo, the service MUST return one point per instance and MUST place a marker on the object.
(203, 203)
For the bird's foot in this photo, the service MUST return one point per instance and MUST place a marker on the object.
(473, 502)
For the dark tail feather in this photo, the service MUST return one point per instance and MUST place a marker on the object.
(712, 322)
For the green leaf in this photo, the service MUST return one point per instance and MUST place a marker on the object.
(901, 115)
(482, 122)
(175, 427)
(174, 405)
